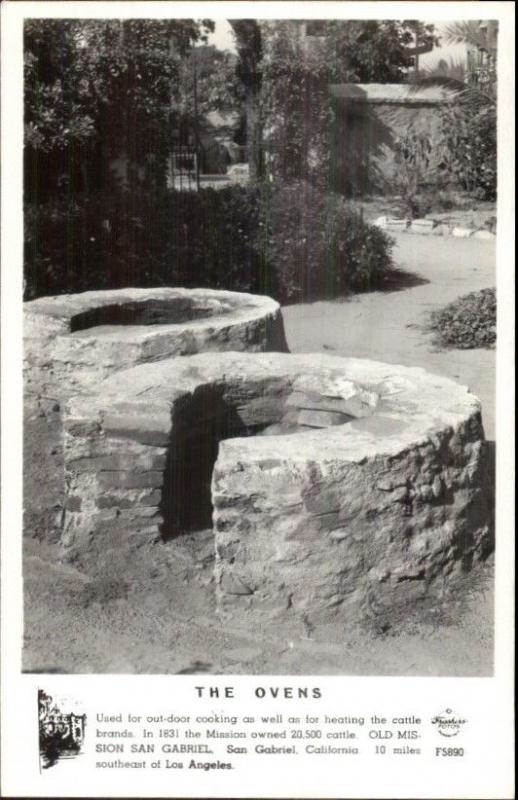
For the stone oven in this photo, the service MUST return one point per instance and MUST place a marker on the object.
(336, 488)
(71, 342)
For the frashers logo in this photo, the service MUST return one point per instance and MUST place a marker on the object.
(448, 724)
(61, 733)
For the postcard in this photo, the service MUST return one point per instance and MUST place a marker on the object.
(257, 415)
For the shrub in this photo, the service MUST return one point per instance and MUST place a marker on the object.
(412, 155)
(205, 238)
(321, 248)
(469, 148)
(292, 243)
(470, 321)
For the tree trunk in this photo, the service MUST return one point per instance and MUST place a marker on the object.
(253, 135)
(248, 40)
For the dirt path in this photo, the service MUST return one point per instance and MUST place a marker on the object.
(388, 326)
(155, 613)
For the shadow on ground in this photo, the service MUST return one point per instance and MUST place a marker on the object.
(397, 280)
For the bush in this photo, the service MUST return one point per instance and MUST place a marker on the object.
(469, 148)
(205, 238)
(470, 321)
(291, 243)
(321, 248)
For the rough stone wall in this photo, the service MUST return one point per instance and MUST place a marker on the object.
(61, 359)
(374, 491)
(115, 465)
(348, 540)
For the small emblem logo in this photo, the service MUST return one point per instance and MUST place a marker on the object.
(61, 733)
(447, 723)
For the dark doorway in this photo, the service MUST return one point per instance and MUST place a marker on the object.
(199, 424)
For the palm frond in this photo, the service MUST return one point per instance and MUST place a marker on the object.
(471, 94)
(465, 32)
(476, 97)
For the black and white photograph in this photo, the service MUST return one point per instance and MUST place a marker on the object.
(259, 279)
(256, 398)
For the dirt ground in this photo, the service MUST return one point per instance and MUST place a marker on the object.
(390, 325)
(154, 612)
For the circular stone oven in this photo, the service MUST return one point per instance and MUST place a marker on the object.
(71, 342)
(338, 488)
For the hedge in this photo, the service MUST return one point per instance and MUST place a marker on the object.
(321, 248)
(204, 238)
(291, 243)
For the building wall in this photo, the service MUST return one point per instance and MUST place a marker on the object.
(366, 141)
(371, 121)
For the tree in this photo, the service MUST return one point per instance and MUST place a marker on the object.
(95, 89)
(286, 67)
(209, 75)
(472, 32)
(469, 122)
(248, 37)
(480, 38)
(376, 51)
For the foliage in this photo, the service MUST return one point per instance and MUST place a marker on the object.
(297, 112)
(468, 136)
(454, 70)
(292, 243)
(375, 51)
(295, 108)
(320, 248)
(208, 82)
(95, 89)
(468, 322)
(466, 32)
(205, 238)
(247, 35)
(412, 165)
(83, 68)
(469, 148)
(469, 122)
(286, 76)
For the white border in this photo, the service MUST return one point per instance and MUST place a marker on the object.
(487, 702)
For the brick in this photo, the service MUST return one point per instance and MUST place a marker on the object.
(152, 438)
(116, 462)
(397, 224)
(131, 480)
(82, 429)
(151, 499)
(422, 226)
(112, 501)
(351, 406)
(112, 463)
(462, 233)
(145, 430)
